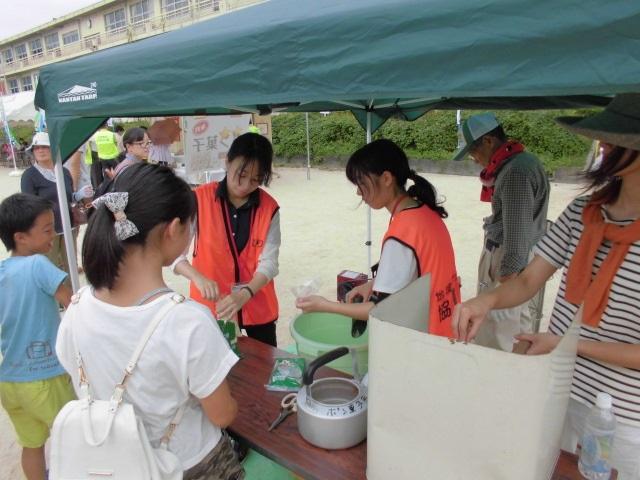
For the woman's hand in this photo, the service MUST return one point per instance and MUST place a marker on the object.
(207, 287)
(312, 303)
(467, 318)
(85, 192)
(541, 343)
(231, 304)
(363, 291)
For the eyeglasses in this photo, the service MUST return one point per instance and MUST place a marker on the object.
(143, 144)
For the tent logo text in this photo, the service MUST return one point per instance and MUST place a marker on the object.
(78, 93)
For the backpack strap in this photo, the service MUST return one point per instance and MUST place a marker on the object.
(85, 393)
(116, 398)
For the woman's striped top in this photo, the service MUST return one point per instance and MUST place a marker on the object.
(620, 322)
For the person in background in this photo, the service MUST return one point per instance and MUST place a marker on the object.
(162, 134)
(136, 149)
(80, 177)
(416, 243)
(516, 185)
(40, 180)
(107, 147)
(33, 384)
(596, 243)
(235, 257)
(139, 227)
(119, 133)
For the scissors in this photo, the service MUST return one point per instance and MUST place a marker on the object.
(287, 407)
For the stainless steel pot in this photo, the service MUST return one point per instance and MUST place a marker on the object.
(332, 412)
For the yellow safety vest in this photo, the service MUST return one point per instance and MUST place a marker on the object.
(106, 144)
(254, 129)
(88, 158)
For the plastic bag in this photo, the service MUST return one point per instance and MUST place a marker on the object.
(306, 288)
(286, 375)
(228, 329)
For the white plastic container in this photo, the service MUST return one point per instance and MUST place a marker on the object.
(597, 440)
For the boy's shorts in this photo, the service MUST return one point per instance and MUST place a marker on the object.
(32, 406)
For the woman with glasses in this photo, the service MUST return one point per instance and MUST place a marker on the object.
(136, 149)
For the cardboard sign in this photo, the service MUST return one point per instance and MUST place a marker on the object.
(207, 141)
(451, 411)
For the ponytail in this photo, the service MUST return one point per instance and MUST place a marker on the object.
(423, 191)
(102, 252)
(383, 155)
(156, 196)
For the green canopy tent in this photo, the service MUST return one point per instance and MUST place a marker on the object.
(373, 57)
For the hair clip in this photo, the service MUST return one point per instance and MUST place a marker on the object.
(116, 202)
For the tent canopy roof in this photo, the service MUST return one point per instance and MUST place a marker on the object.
(403, 57)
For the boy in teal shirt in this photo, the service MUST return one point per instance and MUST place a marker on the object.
(33, 384)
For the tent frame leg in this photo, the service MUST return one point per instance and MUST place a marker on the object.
(66, 224)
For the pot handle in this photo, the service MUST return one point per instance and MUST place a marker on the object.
(330, 356)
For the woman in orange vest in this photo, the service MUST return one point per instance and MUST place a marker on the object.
(416, 243)
(235, 256)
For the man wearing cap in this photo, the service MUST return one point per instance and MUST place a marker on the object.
(516, 185)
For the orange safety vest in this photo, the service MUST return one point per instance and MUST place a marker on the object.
(423, 231)
(216, 257)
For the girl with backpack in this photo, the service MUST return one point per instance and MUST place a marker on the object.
(143, 224)
(416, 243)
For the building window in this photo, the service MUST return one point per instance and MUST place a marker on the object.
(70, 37)
(27, 85)
(35, 79)
(21, 51)
(36, 47)
(8, 56)
(140, 11)
(52, 41)
(115, 21)
(176, 8)
(13, 86)
(205, 4)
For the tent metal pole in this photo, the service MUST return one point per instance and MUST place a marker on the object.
(306, 115)
(15, 172)
(368, 242)
(458, 128)
(66, 224)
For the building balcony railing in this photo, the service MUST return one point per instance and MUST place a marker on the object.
(133, 31)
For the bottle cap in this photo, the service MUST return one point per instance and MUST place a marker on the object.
(604, 401)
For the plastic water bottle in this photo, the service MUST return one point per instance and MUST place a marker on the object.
(597, 440)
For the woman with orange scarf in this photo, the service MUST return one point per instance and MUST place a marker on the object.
(596, 241)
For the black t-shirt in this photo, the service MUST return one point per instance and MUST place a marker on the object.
(34, 183)
(239, 218)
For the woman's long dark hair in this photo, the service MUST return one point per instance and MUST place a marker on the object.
(156, 195)
(603, 181)
(383, 155)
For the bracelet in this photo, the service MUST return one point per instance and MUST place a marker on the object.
(248, 289)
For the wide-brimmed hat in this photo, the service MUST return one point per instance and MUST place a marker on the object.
(618, 124)
(40, 139)
(473, 128)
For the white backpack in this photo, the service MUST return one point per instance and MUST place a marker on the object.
(103, 438)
